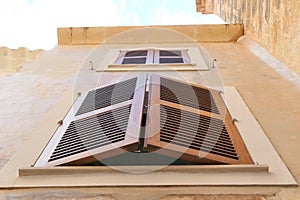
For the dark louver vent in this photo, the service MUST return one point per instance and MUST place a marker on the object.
(93, 132)
(107, 96)
(198, 132)
(187, 95)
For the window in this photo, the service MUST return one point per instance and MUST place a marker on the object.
(137, 57)
(175, 56)
(153, 56)
(191, 123)
(33, 166)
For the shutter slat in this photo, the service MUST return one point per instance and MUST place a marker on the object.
(107, 96)
(194, 134)
(187, 95)
(91, 132)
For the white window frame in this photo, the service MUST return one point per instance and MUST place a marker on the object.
(196, 59)
(184, 55)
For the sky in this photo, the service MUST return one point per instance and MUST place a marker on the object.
(33, 23)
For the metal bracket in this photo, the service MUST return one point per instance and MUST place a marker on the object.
(91, 65)
(214, 60)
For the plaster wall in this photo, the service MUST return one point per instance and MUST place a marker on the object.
(11, 59)
(273, 24)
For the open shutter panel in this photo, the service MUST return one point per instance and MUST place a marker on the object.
(102, 123)
(192, 122)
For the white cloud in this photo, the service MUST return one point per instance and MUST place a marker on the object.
(34, 24)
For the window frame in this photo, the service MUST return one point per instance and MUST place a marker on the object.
(153, 56)
(122, 56)
(199, 59)
(184, 55)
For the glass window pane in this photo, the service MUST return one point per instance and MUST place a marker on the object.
(134, 61)
(171, 60)
(136, 53)
(169, 53)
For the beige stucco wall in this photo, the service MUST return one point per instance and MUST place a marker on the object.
(11, 59)
(273, 24)
(27, 97)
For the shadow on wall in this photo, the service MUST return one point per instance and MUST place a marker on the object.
(11, 59)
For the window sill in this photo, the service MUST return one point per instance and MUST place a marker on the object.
(74, 170)
(152, 67)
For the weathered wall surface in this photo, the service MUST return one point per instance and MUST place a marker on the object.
(11, 59)
(205, 6)
(274, 24)
(196, 33)
(27, 96)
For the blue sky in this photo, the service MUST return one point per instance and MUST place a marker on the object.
(33, 23)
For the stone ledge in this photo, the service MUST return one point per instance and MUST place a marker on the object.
(196, 33)
(215, 197)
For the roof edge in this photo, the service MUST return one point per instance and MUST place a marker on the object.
(198, 33)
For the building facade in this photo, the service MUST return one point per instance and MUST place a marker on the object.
(41, 98)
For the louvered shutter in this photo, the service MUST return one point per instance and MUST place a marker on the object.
(101, 123)
(193, 123)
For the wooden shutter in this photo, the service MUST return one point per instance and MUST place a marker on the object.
(101, 123)
(193, 123)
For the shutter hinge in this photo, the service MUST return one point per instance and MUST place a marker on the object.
(235, 120)
(60, 122)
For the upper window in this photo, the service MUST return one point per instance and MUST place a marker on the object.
(153, 56)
